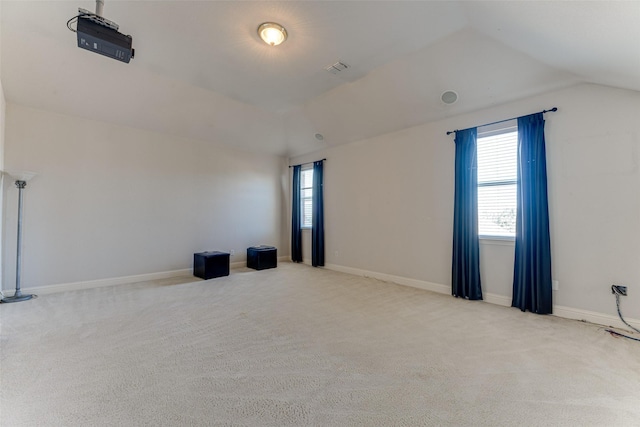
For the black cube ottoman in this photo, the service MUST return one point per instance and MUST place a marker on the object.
(207, 265)
(262, 257)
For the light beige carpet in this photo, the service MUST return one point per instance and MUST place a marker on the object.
(305, 347)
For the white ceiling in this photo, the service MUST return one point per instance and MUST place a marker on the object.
(200, 70)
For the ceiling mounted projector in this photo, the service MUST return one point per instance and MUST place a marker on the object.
(100, 35)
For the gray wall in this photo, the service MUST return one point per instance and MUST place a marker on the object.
(112, 201)
(389, 200)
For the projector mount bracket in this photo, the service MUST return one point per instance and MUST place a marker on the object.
(97, 19)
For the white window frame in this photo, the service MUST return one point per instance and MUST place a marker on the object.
(308, 199)
(488, 131)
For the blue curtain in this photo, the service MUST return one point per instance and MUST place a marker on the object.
(465, 278)
(317, 219)
(296, 230)
(532, 271)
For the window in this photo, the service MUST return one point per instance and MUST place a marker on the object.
(306, 193)
(497, 180)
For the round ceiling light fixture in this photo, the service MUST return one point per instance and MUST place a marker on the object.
(272, 33)
(449, 97)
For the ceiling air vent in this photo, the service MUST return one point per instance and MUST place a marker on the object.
(336, 68)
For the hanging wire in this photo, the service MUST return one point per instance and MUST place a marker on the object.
(74, 19)
(612, 332)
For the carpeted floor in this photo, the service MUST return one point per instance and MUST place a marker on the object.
(305, 347)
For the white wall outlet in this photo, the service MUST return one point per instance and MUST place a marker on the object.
(232, 252)
(335, 254)
(555, 285)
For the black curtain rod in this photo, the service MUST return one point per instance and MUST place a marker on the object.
(308, 163)
(554, 109)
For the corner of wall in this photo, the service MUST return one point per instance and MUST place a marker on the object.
(3, 108)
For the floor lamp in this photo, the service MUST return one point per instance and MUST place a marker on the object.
(21, 183)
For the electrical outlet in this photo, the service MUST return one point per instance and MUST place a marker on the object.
(555, 285)
(619, 289)
(232, 252)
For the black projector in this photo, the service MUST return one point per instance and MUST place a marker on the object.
(104, 40)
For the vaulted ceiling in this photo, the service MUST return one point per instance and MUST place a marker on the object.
(200, 70)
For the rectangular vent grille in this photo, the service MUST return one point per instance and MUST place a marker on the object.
(336, 68)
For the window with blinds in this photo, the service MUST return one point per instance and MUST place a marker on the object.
(306, 193)
(497, 180)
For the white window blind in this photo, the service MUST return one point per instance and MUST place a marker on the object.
(306, 193)
(497, 181)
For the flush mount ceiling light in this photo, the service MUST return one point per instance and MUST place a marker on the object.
(272, 34)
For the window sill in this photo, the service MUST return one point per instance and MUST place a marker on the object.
(497, 240)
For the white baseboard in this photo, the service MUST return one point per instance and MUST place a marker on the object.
(414, 283)
(593, 317)
(496, 299)
(62, 287)
(502, 300)
(237, 264)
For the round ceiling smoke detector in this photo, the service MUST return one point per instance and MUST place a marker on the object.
(449, 97)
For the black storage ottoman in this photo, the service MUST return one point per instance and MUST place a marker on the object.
(207, 265)
(262, 257)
